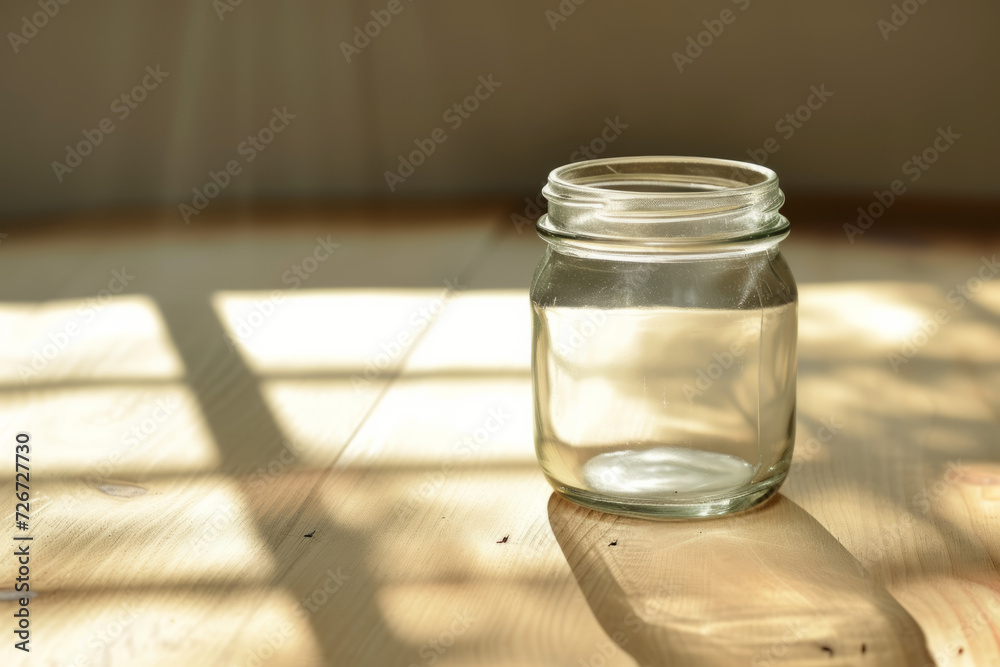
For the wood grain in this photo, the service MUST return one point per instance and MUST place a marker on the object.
(306, 494)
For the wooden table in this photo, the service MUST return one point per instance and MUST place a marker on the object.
(235, 461)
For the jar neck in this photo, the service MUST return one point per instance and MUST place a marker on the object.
(663, 205)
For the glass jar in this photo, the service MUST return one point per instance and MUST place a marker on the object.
(664, 323)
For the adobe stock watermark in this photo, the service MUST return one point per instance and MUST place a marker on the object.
(595, 147)
(224, 514)
(471, 444)
(101, 642)
(775, 653)
(381, 18)
(212, 529)
(58, 341)
(31, 26)
(923, 500)
(223, 7)
(432, 650)
(590, 150)
(788, 124)
(294, 276)
(248, 149)
(308, 605)
(808, 450)
(153, 416)
(968, 628)
(718, 367)
(930, 327)
(38, 502)
(579, 333)
(246, 326)
(890, 537)
(266, 474)
(122, 107)
(562, 12)
(632, 624)
(455, 116)
(300, 272)
(539, 543)
(900, 14)
(752, 326)
(394, 348)
(914, 168)
(714, 28)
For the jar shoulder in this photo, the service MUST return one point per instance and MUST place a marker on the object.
(737, 281)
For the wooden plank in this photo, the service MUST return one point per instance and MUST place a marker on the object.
(293, 509)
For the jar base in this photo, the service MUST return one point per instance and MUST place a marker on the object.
(649, 508)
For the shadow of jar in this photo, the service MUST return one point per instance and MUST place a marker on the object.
(769, 586)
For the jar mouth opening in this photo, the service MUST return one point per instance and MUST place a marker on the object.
(660, 177)
(663, 201)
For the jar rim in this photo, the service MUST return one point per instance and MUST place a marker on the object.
(667, 202)
(685, 170)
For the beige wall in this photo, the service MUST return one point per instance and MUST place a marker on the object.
(607, 60)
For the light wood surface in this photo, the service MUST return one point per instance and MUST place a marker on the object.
(198, 470)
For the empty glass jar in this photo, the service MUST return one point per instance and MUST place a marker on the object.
(664, 334)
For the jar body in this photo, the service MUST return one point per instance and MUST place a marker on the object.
(664, 385)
